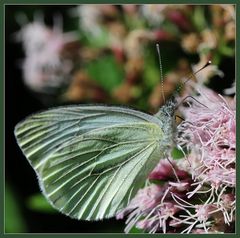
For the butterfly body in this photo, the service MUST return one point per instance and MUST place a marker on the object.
(91, 160)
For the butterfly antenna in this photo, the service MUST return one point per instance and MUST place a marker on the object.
(161, 71)
(193, 74)
(190, 77)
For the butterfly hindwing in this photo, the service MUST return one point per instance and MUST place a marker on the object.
(91, 160)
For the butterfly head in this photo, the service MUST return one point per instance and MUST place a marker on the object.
(166, 112)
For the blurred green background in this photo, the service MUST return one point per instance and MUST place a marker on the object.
(107, 54)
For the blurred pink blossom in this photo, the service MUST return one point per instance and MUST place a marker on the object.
(43, 67)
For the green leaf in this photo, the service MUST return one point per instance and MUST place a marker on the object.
(38, 202)
(134, 23)
(135, 230)
(226, 50)
(199, 18)
(14, 221)
(177, 154)
(170, 27)
(91, 160)
(151, 74)
(106, 72)
(99, 40)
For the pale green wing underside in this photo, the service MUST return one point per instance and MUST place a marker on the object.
(91, 160)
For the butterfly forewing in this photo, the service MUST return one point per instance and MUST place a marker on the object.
(91, 160)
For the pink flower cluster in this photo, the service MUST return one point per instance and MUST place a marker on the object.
(44, 68)
(152, 206)
(197, 193)
(210, 134)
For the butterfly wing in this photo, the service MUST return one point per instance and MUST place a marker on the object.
(91, 160)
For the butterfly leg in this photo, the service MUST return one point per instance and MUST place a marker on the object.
(173, 169)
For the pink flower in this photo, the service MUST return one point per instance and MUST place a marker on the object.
(164, 171)
(179, 18)
(198, 192)
(158, 219)
(44, 67)
(145, 199)
(199, 216)
(153, 207)
(149, 210)
(210, 135)
(198, 231)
